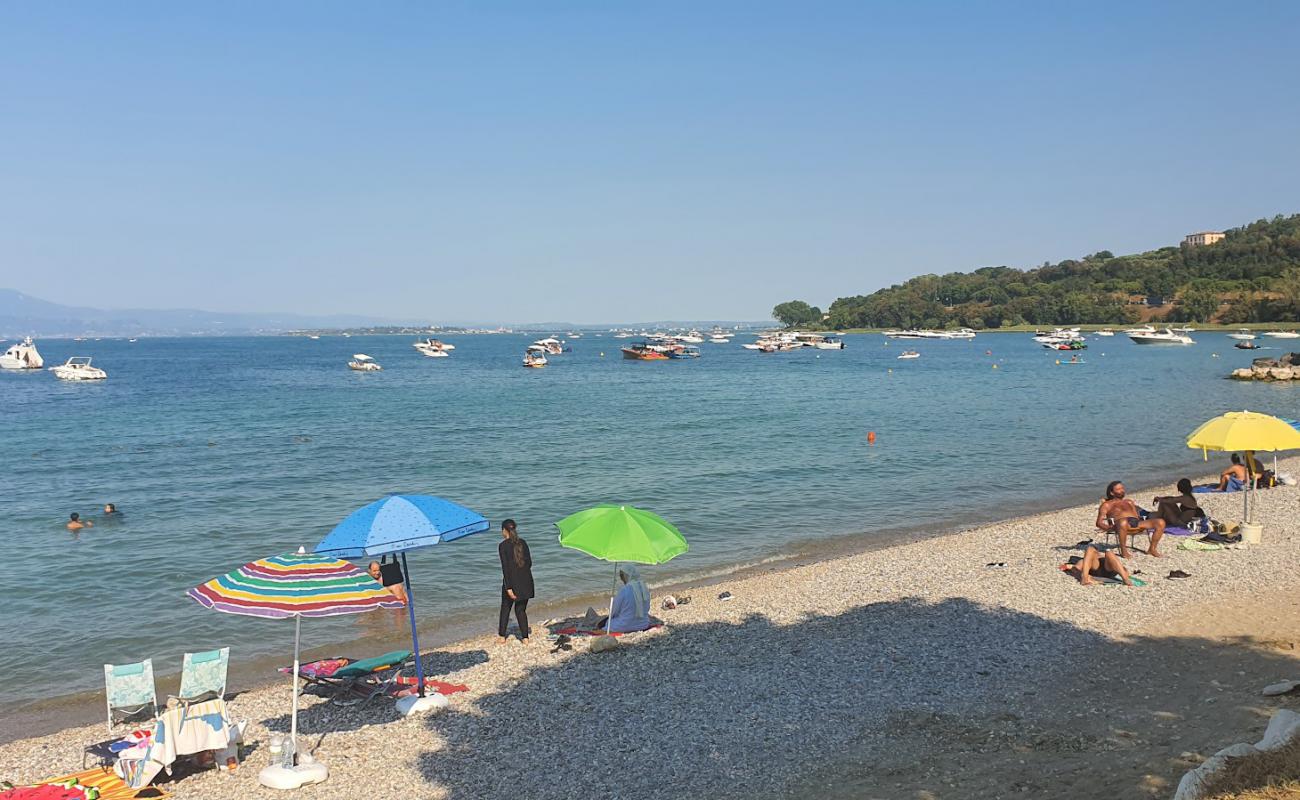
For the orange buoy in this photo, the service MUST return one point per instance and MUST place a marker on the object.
(871, 437)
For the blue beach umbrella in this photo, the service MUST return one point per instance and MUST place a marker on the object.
(394, 525)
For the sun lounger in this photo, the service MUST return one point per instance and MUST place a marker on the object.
(358, 681)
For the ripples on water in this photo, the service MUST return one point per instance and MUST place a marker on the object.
(220, 451)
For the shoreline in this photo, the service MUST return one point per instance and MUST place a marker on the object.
(51, 715)
(58, 715)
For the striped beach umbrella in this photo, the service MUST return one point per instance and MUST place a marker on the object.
(294, 585)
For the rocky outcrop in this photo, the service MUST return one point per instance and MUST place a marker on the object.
(1285, 368)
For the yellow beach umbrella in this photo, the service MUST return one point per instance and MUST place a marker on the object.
(1248, 431)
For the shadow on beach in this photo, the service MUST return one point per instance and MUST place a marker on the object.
(905, 699)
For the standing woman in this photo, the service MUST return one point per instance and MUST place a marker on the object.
(516, 579)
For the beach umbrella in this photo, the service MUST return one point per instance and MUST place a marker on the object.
(295, 585)
(1247, 431)
(397, 524)
(622, 533)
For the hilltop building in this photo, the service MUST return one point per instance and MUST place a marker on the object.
(1204, 237)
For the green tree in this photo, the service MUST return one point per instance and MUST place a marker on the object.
(796, 313)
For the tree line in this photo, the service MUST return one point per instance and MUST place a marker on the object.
(1251, 275)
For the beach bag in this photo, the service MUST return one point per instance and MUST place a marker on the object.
(1202, 525)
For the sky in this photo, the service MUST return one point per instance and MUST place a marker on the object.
(618, 161)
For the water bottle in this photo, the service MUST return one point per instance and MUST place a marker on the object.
(287, 753)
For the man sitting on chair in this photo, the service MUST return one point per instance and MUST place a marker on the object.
(1120, 514)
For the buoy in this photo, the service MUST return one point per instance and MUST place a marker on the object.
(995, 366)
(602, 355)
(871, 437)
(988, 352)
(1058, 362)
(891, 371)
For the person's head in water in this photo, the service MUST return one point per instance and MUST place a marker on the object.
(1115, 490)
(1184, 486)
(109, 508)
(74, 516)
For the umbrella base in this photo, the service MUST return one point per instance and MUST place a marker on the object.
(277, 777)
(1251, 532)
(414, 704)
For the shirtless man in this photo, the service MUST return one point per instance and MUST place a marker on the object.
(397, 590)
(76, 523)
(1237, 470)
(1119, 513)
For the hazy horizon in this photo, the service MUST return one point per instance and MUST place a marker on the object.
(586, 163)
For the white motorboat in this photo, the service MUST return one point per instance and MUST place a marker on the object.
(1243, 334)
(550, 345)
(1165, 336)
(1105, 332)
(363, 363)
(1283, 334)
(830, 343)
(22, 355)
(909, 354)
(434, 348)
(691, 337)
(1058, 336)
(719, 340)
(534, 357)
(313, 336)
(78, 368)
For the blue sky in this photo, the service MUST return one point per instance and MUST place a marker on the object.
(605, 161)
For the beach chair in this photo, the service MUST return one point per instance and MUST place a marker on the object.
(359, 681)
(129, 690)
(203, 676)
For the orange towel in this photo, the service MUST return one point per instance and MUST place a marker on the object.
(110, 786)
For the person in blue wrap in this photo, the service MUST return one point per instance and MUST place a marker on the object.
(631, 609)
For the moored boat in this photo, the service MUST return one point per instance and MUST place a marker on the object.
(78, 368)
(363, 363)
(1242, 334)
(22, 355)
(909, 354)
(1165, 336)
(1282, 334)
(434, 348)
(644, 351)
(534, 358)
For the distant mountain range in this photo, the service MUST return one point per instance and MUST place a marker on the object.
(24, 315)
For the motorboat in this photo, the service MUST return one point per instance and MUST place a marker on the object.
(909, 354)
(550, 345)
(534, 358)
(692, 337)
(719, 340)
(684, 351)
(1139, 330)
(1066, 344)
(1058, 336)
(830, 343)
(364, 363)
(1243, 334)
(1105, 332)
(434, 348)
(22, 355)
(1247, 346)
(312, 336)
(644, 351)
(78, 368)
(960, 333)
(1282, 334)
(1165, 336)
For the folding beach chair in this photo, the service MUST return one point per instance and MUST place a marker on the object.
(359, 681)
(128, 689)
(203, 676)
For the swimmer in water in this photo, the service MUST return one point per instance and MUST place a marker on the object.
(397, 590)
(75, 522)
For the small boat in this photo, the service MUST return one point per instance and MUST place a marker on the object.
(22, 355)
(830, 343)
(1165, 336)
(534, 358)
(434, 348)
(363, 363)
(644, 351)
(313, 336)
(133, 341)
(78, 368)
(1246, 346)
(909, 354)
(550, 345)
(1282, 334)
(692, 337)
(684, 351)
(1105, 332)
(1243, 334)
(719, 340)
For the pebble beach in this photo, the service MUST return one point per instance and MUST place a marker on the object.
(801, 684)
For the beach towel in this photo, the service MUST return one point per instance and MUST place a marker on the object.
(1234, 485)
(1172, 531)
(322, 668)
(109, 786)
(441, 687)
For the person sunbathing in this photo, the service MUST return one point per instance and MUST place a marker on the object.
(1119, 514)
(1103, 564)
(1236, 472)
(1180, 509)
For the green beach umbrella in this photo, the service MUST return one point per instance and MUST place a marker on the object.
(622, 533)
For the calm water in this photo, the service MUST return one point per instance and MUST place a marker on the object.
(220, 451)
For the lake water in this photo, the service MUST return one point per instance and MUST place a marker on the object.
(223, 450)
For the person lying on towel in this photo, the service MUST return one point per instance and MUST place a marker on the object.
(1102, 564)
(1120, 514)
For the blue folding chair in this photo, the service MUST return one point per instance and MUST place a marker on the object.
(129, 690)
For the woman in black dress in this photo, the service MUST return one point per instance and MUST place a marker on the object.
(516, 580)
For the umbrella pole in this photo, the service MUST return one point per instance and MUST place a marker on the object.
(293, 726)
(415, 636)
(609, 621)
